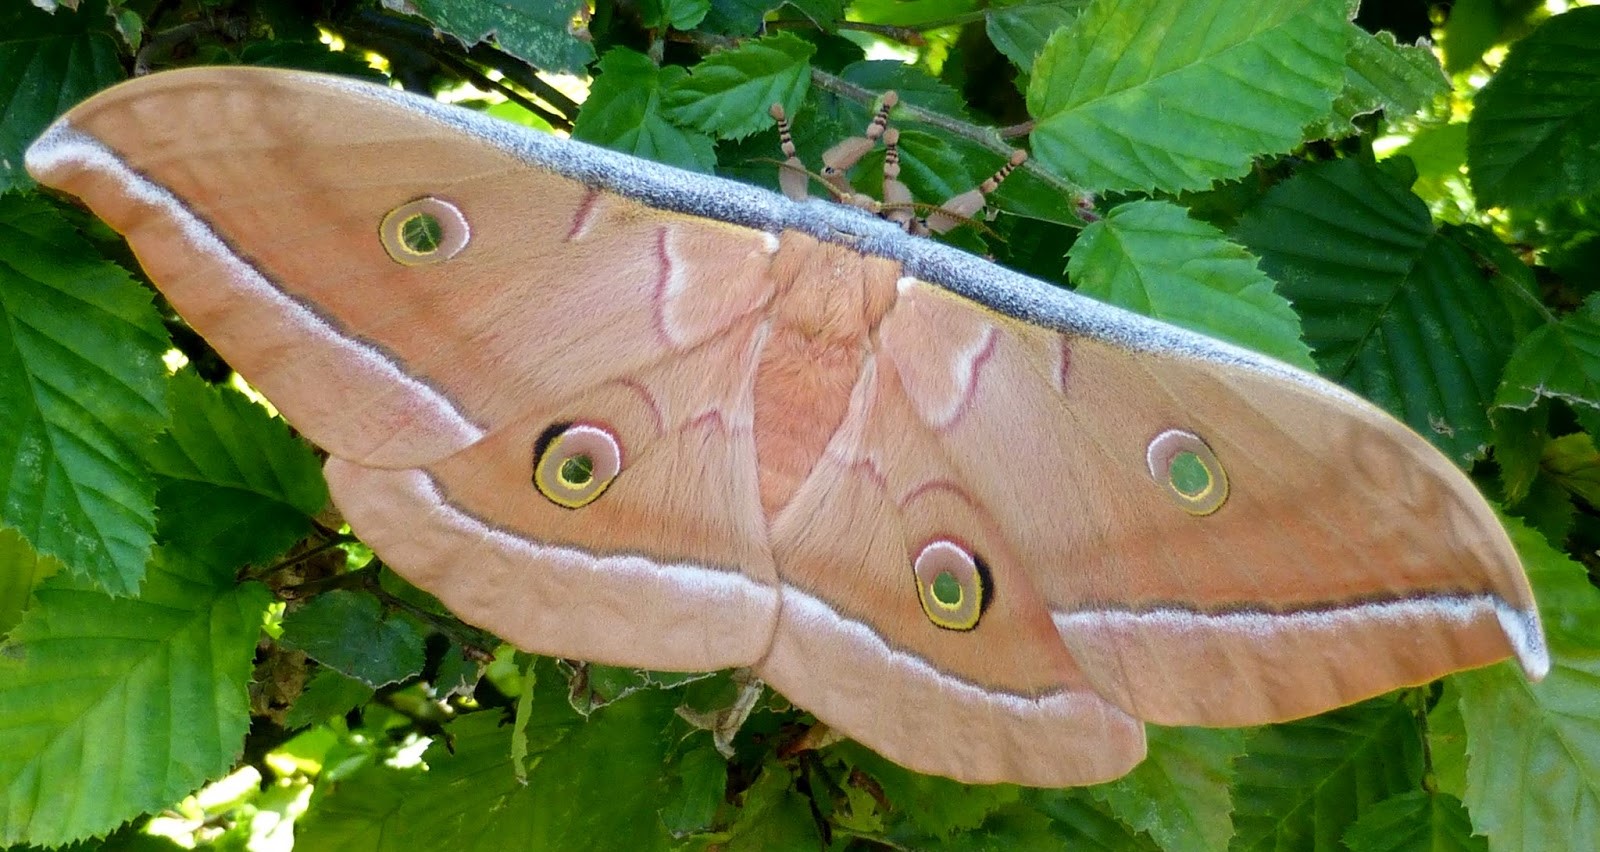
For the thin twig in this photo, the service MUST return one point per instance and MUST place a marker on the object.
(364, 578)
(372, 25)
(331, 540)
(1015, 131)
(904, 35)
(454, 629)
(487, 83)
(519, 72)
(367, 579)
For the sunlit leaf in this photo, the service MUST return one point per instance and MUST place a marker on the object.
(121, 706)
(1133, 97)
(1535, 129)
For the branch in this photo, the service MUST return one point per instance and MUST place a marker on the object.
(367, 579)
(904, 35)
(365, 26)
(487, 83)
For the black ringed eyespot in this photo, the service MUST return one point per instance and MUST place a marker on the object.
(951, 585)
(574, 463)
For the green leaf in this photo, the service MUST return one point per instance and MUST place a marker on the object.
(1549, 508)
(1439, 153)
(1573, 463)
(346, 631)
(1382, 75)
(624, 112)
(1557, 361)
(936, 807)
(328, 694)
(1519, 439)
(1136, 96)
(774, 818)
(1151, 258)
(1087, 824)
(1179, 795)
(1535, 129)
(594, 685)
(360, 812)
(699, 784)
(82, 387)
(543, 32)
(129, 25)
(1302, 784)
(1474, 26)
(1568, 603)
(239, 487)
(113, 707)
(737, 17)
(47, 64)
(1011, 828)
(458, 672)
(728, 94)
(1415, 822)
(1533, 751)
(914, 85)
(677, 14)
(21, 568)
(826, 14)
(1020, 28)
(1447, 741)
(520, 720)
(597, 785)
(1393, 310)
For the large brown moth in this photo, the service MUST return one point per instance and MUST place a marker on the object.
(619, 412)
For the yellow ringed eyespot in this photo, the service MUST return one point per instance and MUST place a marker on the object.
(952, 585)
(1188, 471)
(574, 463)
(427, 230)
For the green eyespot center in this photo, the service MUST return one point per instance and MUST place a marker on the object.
(1189, 475)
(947, 590)
(577, 472)
(421, 233)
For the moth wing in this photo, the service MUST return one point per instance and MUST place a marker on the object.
(986, 693)
(1219, 539)
(271, 208)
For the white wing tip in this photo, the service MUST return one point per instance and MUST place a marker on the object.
(59, 142)
(1522, 628)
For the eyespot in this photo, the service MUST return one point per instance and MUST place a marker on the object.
(573, 463)
(428, 230)
(1186, 468)
(952, 585)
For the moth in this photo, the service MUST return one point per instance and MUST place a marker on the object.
(615, 411)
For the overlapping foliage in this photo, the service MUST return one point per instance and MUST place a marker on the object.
(1291, 176)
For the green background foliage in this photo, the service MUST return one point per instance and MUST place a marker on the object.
(193, 650)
